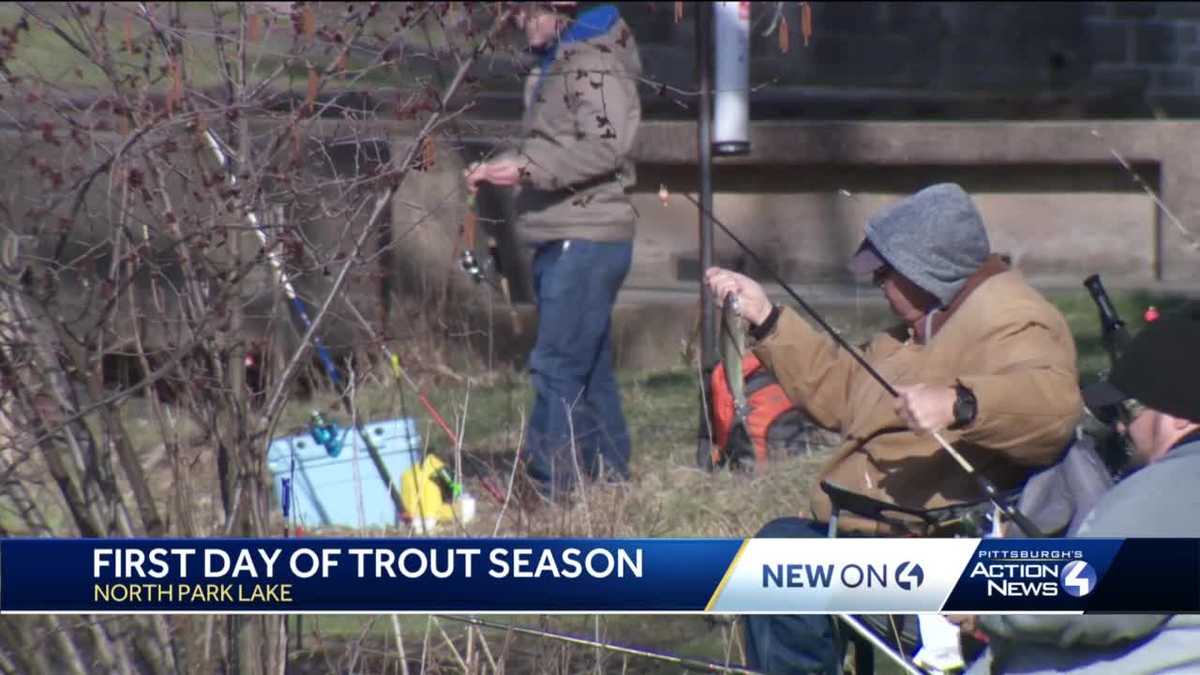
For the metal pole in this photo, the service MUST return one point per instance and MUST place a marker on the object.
(708, 332)
(896, 655)
(731, 78)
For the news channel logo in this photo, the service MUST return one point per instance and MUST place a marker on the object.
(1078, 578)
(907, 576)
(1025, 574)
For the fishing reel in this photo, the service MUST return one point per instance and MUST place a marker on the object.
(451, 489)
(487, 271)
(325, 434)
(466, 259)
(470, 265)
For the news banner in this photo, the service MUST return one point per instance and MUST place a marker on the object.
(599, 575)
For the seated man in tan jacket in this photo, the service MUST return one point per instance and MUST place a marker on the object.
(979, 355)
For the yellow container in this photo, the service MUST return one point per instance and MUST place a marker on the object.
(422, 496)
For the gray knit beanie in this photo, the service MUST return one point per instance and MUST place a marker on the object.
(935, 238)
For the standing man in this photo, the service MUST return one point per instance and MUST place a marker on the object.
(571, 169)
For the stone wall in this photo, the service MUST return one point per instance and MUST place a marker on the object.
(948, 60)
(1151, 47)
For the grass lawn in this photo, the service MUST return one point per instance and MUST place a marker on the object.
(668, 496)
(42, 53)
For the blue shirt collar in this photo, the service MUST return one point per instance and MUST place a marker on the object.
(590, 24)
(593, 23)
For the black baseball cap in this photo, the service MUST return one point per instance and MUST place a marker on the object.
(1160, 368)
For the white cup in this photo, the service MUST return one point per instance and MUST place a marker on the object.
(464, 508)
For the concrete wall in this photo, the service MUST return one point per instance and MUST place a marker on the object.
(1054, 194)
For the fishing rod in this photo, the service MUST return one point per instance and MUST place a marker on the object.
(989, 488)
(1186, 234)
(402, 376)
(490, 272)
(693, 664)
(685, 662)
(222, 157)
(301, 312)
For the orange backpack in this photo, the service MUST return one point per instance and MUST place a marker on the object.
(773, 424)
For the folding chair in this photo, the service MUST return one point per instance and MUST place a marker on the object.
(898, 635)
(1055, 499)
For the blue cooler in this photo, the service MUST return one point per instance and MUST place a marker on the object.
(324, 490)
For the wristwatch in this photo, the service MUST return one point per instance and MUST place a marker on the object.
(762, 330)
(965, 407)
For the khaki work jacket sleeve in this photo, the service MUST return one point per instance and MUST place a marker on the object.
(812, 369)
(604, 104)
(1029, 403)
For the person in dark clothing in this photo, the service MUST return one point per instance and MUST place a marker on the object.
(1157, 385)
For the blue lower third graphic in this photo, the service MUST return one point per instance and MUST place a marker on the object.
(598, 575)
(361, 575)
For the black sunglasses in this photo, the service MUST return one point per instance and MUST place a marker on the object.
(1129, 410)
(881, 274)
(1124, 412)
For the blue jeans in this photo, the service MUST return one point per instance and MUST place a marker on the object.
(793, 643)
(577, 405)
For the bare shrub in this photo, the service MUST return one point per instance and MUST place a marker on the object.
(175, 172)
